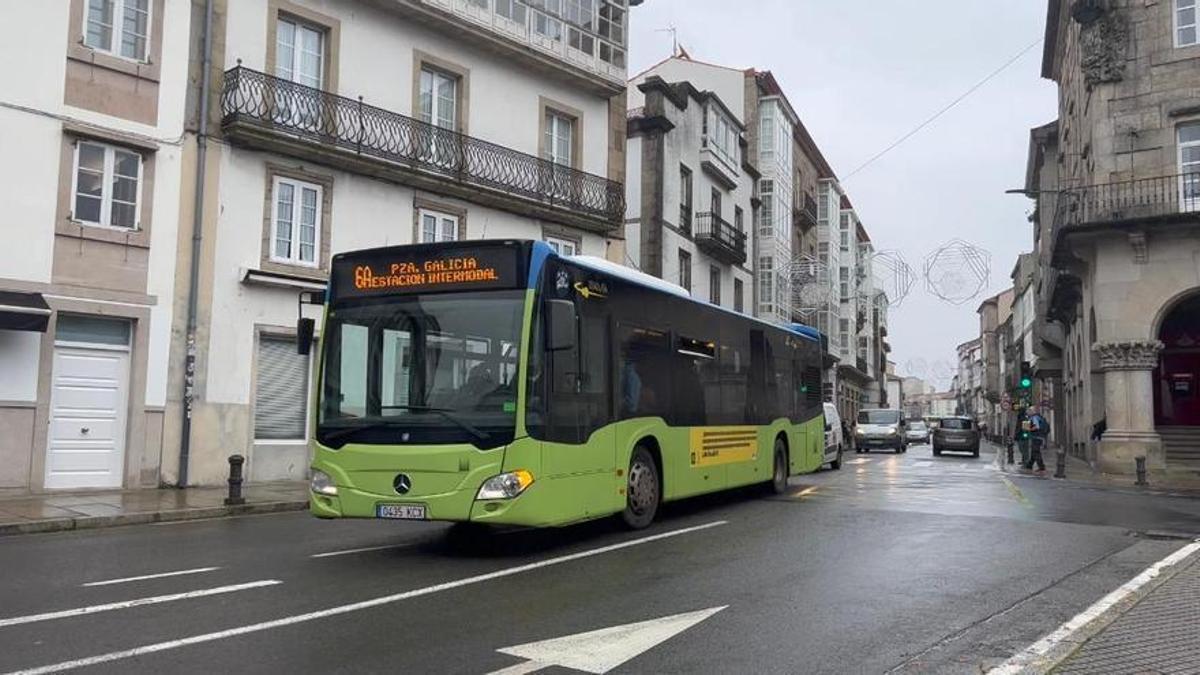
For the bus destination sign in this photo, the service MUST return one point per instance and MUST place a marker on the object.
(404, 272)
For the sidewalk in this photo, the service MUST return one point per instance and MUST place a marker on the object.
(1159, 634)
(1080, 472)
(76, 511)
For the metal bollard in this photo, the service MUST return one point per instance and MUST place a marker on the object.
(1141, 471)
(235, 497)
(1060, 468)
(1010, 451)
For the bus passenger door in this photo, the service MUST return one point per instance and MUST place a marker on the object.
(579, 451)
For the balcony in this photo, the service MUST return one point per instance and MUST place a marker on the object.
(1146, 200)
(805, 217)
(269, 113)
(716, 237)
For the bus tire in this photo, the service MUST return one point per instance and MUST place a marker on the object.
(642, 494)
(779, 468)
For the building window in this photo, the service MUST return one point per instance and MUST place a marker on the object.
(118, 27)
(685, 270)
(845, 232)
(738, 218)
(844, 282)
(1185, 23)
(719, 135)
(766, 284)
(612, 23)
(513, 10)
(437, 226)
(739, 292)
(563, 247)
(766, 220)
(296, 222)
(559, 141)
(547, 26)
(299, 53)
(685, 199)
(107, 185)
(844, 331)
(1189, 166)
(715, 202)
(612, 55)
(439, 99)
(281, 390)
(714, 284)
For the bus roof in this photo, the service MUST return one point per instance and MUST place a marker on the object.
(649, 281)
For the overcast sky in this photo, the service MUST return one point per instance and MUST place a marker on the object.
(862, 74)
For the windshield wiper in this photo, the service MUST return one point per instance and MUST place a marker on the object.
(342, 431)
(479, 434)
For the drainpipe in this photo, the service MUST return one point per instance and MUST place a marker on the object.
(189, 372)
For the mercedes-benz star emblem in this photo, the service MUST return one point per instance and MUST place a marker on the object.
(402, 484)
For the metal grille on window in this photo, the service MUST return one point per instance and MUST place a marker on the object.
(280, 398)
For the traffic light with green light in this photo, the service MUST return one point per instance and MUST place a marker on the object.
(1026, 380)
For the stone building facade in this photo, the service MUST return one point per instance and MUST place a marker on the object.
(1117, 181)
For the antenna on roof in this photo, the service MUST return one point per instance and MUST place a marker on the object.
(675, 50)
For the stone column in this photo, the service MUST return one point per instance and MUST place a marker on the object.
(1129, 405)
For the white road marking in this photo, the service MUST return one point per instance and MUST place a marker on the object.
(330, 554)
(126, 604)
(1037, 650)
(858, 460)
(356, 606)
(144, 577)
(599, 651)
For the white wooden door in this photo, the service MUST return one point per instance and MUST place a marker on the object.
(89, 403)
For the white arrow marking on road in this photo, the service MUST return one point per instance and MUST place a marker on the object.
(599, 651)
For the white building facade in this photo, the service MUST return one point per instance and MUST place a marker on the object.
(691, 190)
(343, 125)
(92, 118)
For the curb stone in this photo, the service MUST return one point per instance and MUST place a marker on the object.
(96, 522)
(1044, 664)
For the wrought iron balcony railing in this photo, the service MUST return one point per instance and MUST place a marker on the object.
(715, 236)
(260, 100)
(805, 216)
(1143, 199)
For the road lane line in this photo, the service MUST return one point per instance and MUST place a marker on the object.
(126, 604)
(144, 577)
(330, 554)
(1016, 492)
(1026, 657)
(356, 606)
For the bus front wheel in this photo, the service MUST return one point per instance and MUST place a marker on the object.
(642, 492)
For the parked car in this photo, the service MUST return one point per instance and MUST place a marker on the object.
(959, 434)
(834, 442)
(880, 428)
(917, 432)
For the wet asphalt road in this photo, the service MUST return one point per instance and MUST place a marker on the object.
(896, 563)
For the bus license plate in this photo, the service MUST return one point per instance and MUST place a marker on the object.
(400, 511)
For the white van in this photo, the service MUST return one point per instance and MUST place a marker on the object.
(834, 442)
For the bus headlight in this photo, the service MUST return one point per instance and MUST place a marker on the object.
(322, 484)
(506, 485)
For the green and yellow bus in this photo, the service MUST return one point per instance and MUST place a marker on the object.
(498, 382)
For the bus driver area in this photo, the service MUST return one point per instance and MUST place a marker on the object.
(497, 382)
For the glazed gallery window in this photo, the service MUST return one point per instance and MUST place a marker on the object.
(437, 227)
(107, 185)
(295, 219)
(1185, 22)
(118, 27)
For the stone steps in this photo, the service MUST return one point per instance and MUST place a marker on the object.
(1182, 444)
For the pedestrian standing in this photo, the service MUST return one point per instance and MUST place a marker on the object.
(1021, 436)
(1038, 430)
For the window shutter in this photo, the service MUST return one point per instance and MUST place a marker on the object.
(280, 398)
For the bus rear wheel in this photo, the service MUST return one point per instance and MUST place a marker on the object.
(641, 492)
(779, 475)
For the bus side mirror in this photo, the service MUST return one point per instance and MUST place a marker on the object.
(304, 335)
(560, 325)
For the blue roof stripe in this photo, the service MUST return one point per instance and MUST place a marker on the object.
(537, 260)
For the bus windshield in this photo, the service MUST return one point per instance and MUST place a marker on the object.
(422, 369)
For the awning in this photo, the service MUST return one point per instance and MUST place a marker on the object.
(23, 311)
